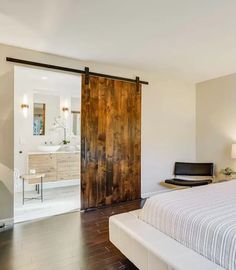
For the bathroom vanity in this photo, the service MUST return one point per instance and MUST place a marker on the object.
(56, 166)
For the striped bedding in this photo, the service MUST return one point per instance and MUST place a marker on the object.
(201, 218)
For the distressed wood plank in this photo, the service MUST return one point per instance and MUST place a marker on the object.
(111, 128)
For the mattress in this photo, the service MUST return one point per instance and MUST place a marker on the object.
(201, 218)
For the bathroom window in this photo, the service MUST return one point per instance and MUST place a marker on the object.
(39, 119)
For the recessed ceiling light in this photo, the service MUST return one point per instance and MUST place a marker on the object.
(44, 78)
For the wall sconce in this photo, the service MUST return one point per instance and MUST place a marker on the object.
(65, 111)
(25, 108)
(233, 151)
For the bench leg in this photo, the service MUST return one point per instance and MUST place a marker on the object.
(41, 189)
(23, 191)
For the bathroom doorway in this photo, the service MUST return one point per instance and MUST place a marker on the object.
(46, 143)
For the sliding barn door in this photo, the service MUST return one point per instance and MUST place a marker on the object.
(110, 142)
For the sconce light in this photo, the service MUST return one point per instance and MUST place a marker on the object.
(25, 108)
(65, 111)
(233, 151)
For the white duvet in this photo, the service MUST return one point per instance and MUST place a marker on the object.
(201, 218)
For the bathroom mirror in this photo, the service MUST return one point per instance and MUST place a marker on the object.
(46, 109)
(75, 122)
(75, 115)
(39, 118)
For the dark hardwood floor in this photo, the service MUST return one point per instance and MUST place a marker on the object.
(74, 241)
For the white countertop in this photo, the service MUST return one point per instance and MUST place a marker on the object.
(57, 152)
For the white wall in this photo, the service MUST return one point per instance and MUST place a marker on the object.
(168, 129)
(216, 121)
(168, 116)
(6, 141)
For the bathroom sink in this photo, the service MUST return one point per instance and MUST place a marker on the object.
(69, 148)
(49, 148)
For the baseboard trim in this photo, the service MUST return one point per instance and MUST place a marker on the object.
(6, 224)
(150, 194)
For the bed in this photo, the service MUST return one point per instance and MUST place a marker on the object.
(181, 230)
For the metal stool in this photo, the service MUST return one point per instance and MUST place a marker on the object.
(28, 177)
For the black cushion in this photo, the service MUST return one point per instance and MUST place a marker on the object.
(189, 183)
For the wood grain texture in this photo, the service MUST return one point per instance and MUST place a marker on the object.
(73, 241)
(43, 164)
(68, 166)
(110, 142)
(57, 166)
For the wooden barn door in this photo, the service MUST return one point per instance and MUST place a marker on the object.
(110, 142)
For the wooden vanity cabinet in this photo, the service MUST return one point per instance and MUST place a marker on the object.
(68, 166)
(56, 166)
(44, 163)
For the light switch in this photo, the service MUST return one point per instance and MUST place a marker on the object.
(21, 141)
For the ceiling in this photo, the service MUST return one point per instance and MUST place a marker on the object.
(49, 82)
(195, 39)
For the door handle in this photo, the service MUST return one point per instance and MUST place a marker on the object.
(84, 150)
